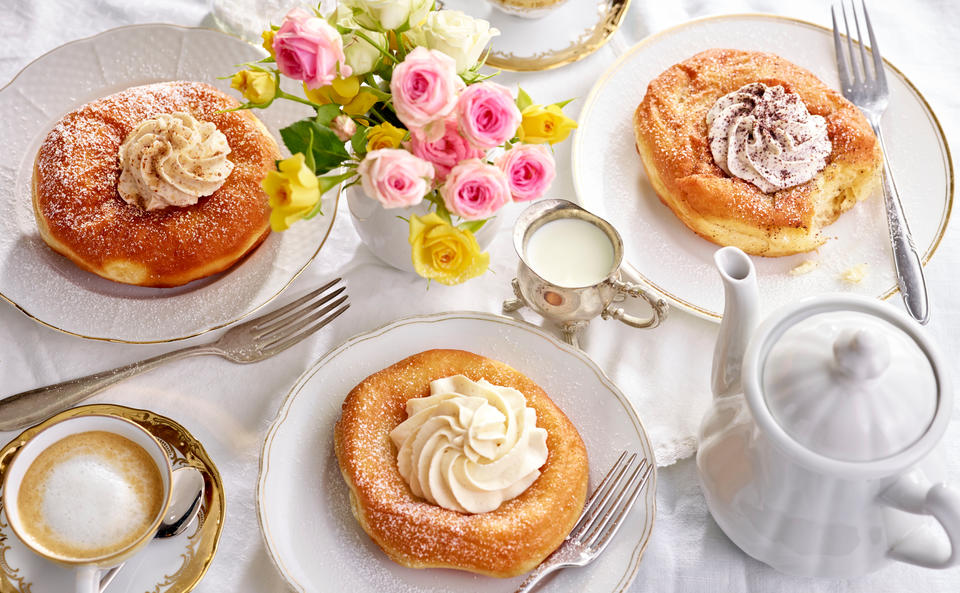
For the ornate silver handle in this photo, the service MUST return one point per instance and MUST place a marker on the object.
(29, 407)
(659, 306)
(906, 260)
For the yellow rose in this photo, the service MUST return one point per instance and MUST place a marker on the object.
(343, 91)
(544, 124)
(444, 253)
(257, 87)
(293, 191)
(267, 37)
(384, 135)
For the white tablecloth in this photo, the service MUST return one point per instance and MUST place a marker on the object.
(229, 407)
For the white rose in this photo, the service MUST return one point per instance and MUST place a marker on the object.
(361, 56)
(456, 34)
(385, 15)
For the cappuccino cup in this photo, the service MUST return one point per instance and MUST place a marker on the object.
(88, 492)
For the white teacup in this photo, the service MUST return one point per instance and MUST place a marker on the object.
(88, 492)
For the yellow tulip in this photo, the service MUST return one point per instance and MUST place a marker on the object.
(384, 135)
(257, 87)
(293, 191)
(267, 37)
(544, 124)
(444, 253)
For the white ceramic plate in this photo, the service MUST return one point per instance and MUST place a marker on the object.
(47, 286)
(567, 33)
(610, 181)
(304, 504)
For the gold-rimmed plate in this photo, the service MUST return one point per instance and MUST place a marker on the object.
(172, 565)
(304, 505)
(53, 291)
(610, 181)
(567, 33)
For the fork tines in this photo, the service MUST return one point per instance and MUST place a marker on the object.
(850, 74)
(295, 321)
(607, 507)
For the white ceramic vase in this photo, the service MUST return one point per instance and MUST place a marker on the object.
(382, 231)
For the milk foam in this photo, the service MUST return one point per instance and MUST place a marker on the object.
(90, 494)
(90, 503)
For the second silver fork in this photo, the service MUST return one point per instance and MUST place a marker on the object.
(251, 341)
(868, 91)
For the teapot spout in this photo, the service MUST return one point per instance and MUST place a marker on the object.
(740, 315)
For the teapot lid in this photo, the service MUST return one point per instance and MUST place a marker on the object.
(847, 380)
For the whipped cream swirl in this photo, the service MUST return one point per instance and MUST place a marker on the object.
(469, 446)
(766, 136)
(172, 160)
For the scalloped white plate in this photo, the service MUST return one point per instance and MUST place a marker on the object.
(610, 181)
(47, 286)
(304, 505)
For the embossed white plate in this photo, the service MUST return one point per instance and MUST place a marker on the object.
(610, 181)
(47, 286)
(304, 505)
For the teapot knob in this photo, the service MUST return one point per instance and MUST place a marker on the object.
(861, 353)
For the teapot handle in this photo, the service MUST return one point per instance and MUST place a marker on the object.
(940, 501)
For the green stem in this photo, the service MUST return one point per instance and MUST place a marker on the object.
(285, 95)
(366, 38)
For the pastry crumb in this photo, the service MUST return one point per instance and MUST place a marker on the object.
(854, 275)
(804, 267)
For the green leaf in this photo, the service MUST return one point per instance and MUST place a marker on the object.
(327, 150)
(472, 225)
(326, 113)
(442, 211)
(308, 160)
(359, 141)
(563, 104)
(523, 99)
(328, 182)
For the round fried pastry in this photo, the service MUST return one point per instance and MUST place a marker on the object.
(81, 215)
(671, 137)
(505, 542)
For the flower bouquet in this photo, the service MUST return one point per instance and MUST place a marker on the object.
(402, 110)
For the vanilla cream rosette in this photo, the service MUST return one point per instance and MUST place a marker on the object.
(470, 445)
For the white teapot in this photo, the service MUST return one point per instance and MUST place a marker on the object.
(817, 455)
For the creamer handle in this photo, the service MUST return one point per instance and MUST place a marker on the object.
(940, 501)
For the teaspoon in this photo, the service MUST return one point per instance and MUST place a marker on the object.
(187, 486)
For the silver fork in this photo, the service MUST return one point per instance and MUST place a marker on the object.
(602, 516)
(866, 87)
(251, 341)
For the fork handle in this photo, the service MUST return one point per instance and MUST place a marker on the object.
(906, 260)
(533, 579)
(29, 407)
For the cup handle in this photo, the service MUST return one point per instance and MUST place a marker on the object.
(659, 306)
(911, 494)
(88, 579)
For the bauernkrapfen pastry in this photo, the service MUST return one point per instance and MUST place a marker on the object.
(672, 137)
(507, 541)
(83, 214)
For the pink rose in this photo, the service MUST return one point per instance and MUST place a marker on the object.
(344, 127)
(424, 87)
(307, 48)
(529, 169)
(475, 190)
(445, 152)
(487, 115)
(395, 177)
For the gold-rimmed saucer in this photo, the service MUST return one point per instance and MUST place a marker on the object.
(173, 565)
(567, 33)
